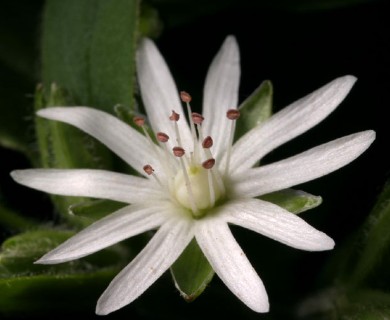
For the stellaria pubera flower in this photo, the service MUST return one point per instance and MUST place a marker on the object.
(194, 182)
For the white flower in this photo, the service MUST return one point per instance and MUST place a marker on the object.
(189, 189)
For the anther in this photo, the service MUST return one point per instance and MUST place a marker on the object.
(178, 151)
(139, 121)
(208, 164)
(233, 114)
(197, 118)
(174, 116)
(185, 96)
(148, 169)
(207, 142)
(162, 137)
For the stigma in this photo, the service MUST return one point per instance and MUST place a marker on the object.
(194, 179)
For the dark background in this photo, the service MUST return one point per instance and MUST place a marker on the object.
(298, 49)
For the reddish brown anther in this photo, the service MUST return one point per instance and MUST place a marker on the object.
(185, 96)
(208, 164)
(207, 142)
(162, 137)
(197, 118)
(139, 121)
(148, 169)
(174, 116)
(178, 151)
(233, 114)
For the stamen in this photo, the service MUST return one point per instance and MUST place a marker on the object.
(197, 118)
(231, 114)
(178, 151)
(185, 97)
(211, 186)
(150, 171)
(174, 116)
(139, 121)
(207, 142)
(208, 164)
(162, 137)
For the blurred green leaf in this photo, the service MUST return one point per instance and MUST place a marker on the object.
(88, 48)
(178, 12)
(191, 272)
(295, 201)
(47, 294)
(93, 210)
(18, 254)
(342, 304)
(150, 24)
(57, 145)
(255, 109)
(15, 112)
(28, 289)
(13, 221)
(374, 240)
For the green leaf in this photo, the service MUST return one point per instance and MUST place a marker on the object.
(344, 304)
(28, 289)
(191, 272)
(46, 294)
(57, 141)
(13, 221)
(295, 201)
(19, 252)
(150, 24)
(93, 210)
(367, 305)
(255, 109)
(88, 48)
(374, 240)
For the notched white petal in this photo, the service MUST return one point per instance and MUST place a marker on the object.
(120, 225)
(230, 263)
(276, 223)
(158, 255)
(89, 183)
(306, 166)
(290, 122)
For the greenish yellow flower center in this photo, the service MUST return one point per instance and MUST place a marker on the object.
(202, 192)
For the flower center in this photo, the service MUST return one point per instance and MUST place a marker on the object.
(193, 180)
(204, 189)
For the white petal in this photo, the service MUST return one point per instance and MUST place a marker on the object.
(159, 254)
(230, 263)
(306, 166)
(276, 223)
(120, 225)
(289, 123)
(221, 93)
(125, 141)
(159, 93)
(89, 183)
